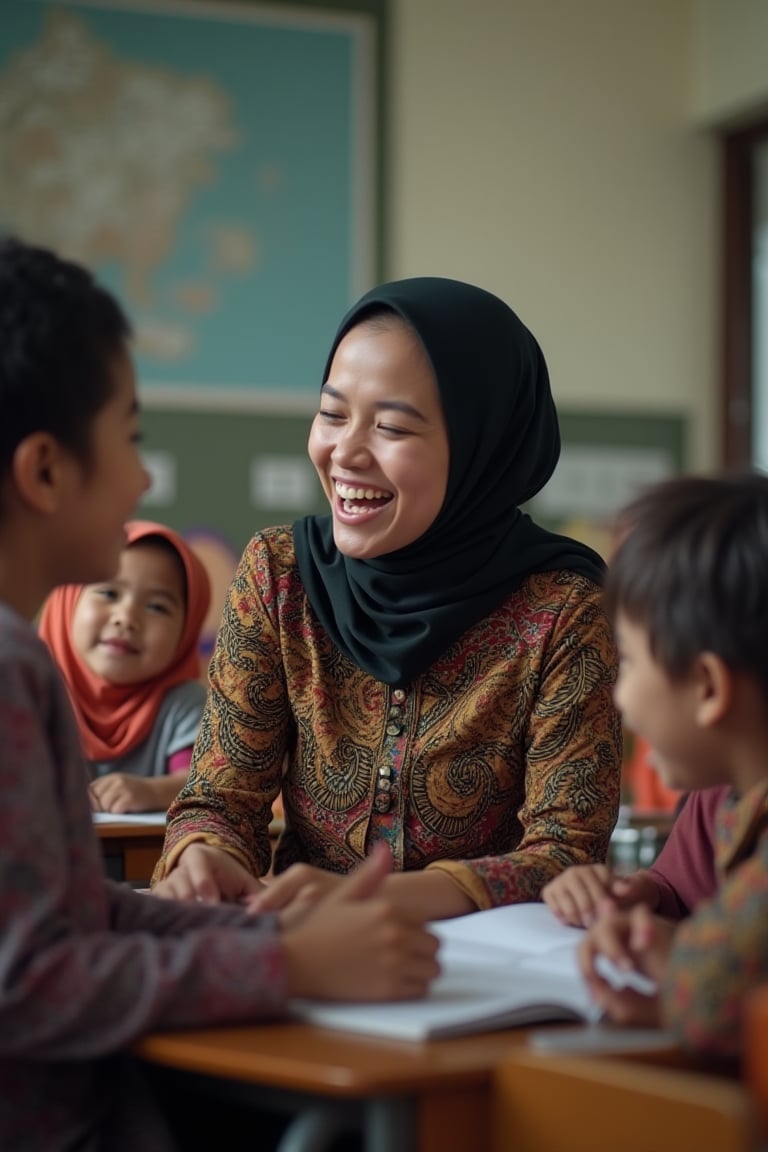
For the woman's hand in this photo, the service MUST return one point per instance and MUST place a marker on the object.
(353, 944)
(203, 872)
(423, 895)
(633, 941)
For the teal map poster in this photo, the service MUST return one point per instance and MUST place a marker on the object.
(213, 164)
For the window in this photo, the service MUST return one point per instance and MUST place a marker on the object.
(745, 290)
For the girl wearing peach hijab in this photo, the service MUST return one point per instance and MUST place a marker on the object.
(128, 651)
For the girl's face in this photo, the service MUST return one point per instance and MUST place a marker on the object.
(379, 442)
(127, 630)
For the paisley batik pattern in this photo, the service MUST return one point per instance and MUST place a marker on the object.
(501, 764)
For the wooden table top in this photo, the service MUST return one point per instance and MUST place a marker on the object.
(122, 830)
(306, 1058)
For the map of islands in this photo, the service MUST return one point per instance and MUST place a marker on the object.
(68, 106)
(169, 177)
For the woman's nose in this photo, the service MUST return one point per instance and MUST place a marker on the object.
(351, 448)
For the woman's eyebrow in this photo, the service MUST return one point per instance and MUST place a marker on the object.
(401, 406)
(381, 405)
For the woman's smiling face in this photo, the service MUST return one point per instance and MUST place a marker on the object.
(379, 442)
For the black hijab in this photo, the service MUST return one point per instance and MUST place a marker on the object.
(396, 614)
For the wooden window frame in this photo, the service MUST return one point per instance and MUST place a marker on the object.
(738, 150)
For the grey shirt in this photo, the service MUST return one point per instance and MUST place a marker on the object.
(174, 729)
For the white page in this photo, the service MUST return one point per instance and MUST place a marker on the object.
(536, 939)
(156, 819)
(464, 999)
(527, 928)
(514, 965)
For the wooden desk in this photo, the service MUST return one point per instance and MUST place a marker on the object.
(756, 1052)
(405, 1097)
(431, 1097)
(131, 850)
(556, 1103)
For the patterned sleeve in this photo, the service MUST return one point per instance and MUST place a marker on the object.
(236, 768)
(719, 954)
(131, 911)
(572, 767)
(83, 972)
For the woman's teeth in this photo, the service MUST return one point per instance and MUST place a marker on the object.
(351, 496)
(348, 493)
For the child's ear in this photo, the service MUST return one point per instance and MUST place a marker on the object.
(714, 686)
(37, 470)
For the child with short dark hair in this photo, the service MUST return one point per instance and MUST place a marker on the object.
(688, 593)
(128, 650)
(86, 966)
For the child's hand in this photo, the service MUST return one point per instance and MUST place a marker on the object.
(118, 792)
(354, 945)
(633, 941)
(575, 895)
(299, 887)
(209, 874)
(637, 888)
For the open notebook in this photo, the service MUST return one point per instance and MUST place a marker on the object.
(156, 819)
(503, 967)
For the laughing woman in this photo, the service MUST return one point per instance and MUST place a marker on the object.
(424, 666)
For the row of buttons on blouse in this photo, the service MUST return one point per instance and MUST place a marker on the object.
(382, 799)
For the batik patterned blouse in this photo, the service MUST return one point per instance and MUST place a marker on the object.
(500, 765)
(721, 952)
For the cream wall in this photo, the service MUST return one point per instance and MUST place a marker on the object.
(545, 149)
(730, 78)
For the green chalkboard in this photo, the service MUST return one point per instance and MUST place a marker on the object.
(606, 459)
(664, 431)
(213, 456)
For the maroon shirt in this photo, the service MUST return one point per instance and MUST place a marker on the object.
(684, 870)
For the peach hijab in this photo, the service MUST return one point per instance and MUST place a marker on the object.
(113, 719)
